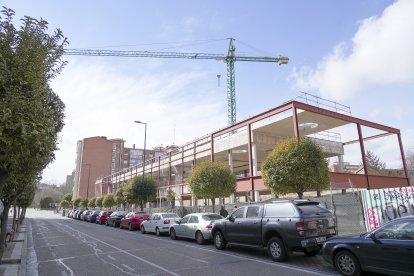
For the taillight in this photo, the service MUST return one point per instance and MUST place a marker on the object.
(209, 226)
(299, 228)
(167, 221)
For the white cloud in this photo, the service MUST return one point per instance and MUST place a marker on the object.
(381, 54)
(102, 100)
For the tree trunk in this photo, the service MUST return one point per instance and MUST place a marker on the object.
(3, 233)
(213, 201)
(14, 225)
(318, 193)
(141, 205)
(300, 195)
(19, 213)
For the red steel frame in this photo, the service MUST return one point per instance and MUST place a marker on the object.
(292, 105)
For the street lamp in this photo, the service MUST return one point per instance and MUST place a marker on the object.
(145, 142)
(89, 176)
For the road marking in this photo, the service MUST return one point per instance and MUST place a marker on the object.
(199, 260)
(110, 257)
(64, 273)
(128, 267)
(68, 268)
(125, 252)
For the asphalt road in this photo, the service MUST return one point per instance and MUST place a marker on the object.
(70, 247)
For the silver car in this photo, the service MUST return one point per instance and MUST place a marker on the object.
(194, 226)
(159, 223)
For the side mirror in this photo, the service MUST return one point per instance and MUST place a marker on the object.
(230, 218)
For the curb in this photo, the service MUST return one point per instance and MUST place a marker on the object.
(22, 266)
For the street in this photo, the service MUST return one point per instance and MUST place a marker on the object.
(62, 246)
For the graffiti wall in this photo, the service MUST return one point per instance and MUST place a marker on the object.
(382, 205)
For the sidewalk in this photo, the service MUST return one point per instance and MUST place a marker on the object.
(15, 252)
(14, 258)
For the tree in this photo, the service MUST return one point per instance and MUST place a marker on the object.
(92, 202)
(84, 203)
(120, 198)
(143, 190)
(25, 199)
(295, 167)
(108, 200)
(171, 197)
(77, 202)
(47, 202)
(211, 180)
(67, 197)
(373, 161)
(64, 203)
(98, 201)
(31, 113)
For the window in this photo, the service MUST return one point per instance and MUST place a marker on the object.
(402, 230)
(185, 219)
(238, 213)
(252, 211)
(284, 210)
(193, 219)
(210, 217)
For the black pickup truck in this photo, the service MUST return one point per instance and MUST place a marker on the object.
(281, 226)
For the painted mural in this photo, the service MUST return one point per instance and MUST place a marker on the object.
(382, 205)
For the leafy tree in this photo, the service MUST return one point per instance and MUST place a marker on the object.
(98, 201)
(77, 202)
(171, 197)
(295, 167)
(92, 202)
(31, 114)
(84, 203)
(143, 190)
(373, 161)
(108, 200)
(64, 203)
(119, 197)
(211, 180)
(25, 199)
(67, 197)
(46, 202)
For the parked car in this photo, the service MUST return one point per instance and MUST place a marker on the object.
(84, 214)
(281, 226)
(194, 226)
(159, 223)
(92, 216)
(115, 218)
(133, 220)
(388, 249)
(78, 213)
(69, 214)
(103, 216)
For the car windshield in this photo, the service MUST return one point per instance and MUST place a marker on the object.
(122, 213)
(210, 217)
(170, 216)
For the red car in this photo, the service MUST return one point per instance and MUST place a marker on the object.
(133, 220)
(102, 217)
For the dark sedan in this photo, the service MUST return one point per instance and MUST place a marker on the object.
(92, 216)
(388, 249)
(115, 218)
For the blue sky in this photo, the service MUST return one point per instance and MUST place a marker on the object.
(356, 52)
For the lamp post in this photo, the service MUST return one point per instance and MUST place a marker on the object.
(89, 176)
(145, 142)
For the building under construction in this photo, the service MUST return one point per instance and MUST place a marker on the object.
(245, 145)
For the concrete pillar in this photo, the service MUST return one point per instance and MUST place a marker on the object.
(254, 159)
(340, 163)
(231, 199)
(230, 157)
(256, 196)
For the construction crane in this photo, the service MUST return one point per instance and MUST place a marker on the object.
(230, 59)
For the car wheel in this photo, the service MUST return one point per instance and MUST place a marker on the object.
(173, 235)
(157, 232)
(276, 249)
(130, 227)
(311, 253)
(219, 241)
(199, 238)
(143, 229)
(347, 263)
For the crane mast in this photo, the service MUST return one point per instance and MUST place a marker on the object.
(230, 59)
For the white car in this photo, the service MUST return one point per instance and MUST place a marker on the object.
(159, 223)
